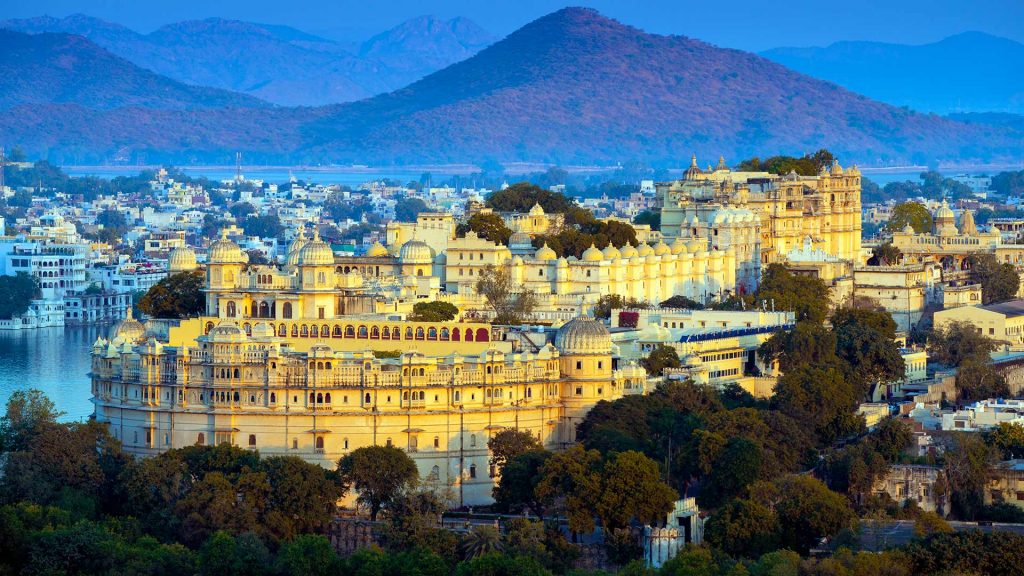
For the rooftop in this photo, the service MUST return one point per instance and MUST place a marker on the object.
(1010, 309)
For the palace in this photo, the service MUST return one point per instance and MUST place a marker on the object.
(764, 216)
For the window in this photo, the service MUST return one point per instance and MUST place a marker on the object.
(201, 440)
(252, 440)
(286, 310)
(472, 470)
(579, 365)
(472, 440)
(437, 442)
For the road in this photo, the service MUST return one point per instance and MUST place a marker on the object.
(879, 535)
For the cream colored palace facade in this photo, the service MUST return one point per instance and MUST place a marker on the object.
(276, 367)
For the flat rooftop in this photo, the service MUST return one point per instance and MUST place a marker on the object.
(1010, 309)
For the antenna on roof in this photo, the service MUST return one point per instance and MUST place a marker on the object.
(238, 166)
(3, 162)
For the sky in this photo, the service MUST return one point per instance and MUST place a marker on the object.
(744, 24)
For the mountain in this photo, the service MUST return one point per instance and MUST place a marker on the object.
(279, 64)
(66, 69)
(572, 87)
(970, 72)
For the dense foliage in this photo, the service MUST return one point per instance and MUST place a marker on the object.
(807, 165)
(17, 293)
(176, 296)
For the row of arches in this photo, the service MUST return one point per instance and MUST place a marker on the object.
(364, 332)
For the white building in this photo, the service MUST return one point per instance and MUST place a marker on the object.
(60, 268)
(984, 414)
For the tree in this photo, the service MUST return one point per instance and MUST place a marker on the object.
(501, 565)
(977, 380)
(605, 304)
(912, 213)
(996, 553)
(678, 301)
(17, 293)
(650, 218)
(407, 209)
(631, 489)
(865, 341)
(265, 226)
(743, 528)
(1008, 439)
(176, 296)
(508, 444)
(379, 474)
(481, 540)
(28, 414)
(808, 165)
(885, 255)
(511, 304)
(572, 478)
(822, 398)
(490, 226)
(517, 487)
(999, 281)
(307, 555)
(522, 196)
(663, 356)
(736, 466)
(954, 343)
(807, 296)
(435, 311)
(807, 510)
(240, 210)
(968, 466)
(257, 258)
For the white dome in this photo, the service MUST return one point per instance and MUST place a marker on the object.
(377, 250)
(182, 259)
(519, 239)
(316, 253)
(129, 329)
(644, 249)
(661, 249)
(628, 251)
(225, 251)
(592, 254)
(416, 252)
(545, 253)
(583, 336)
(611, 252)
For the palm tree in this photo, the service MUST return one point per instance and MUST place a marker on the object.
(481, 540)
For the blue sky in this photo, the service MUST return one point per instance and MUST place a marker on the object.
(744, 24)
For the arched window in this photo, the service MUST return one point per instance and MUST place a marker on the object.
(201, 439)
(445, 334)
(236, 376)
(337, 331)
(282, 330)
(362, 333)
(231, 309)
(432, 333)
(408, 333)
(350, 331)
(367, 399)
(395, 333)
(295, 330)
(469, 335)
(327, 398)
(286, 310)
(320, 398)
(273, 398)
(304, 331)
(314, 330)
(419, 333)
(455, 334)
(252, 439)
(319, 442)
(472, 440)
(248, 329)
(374, 333)
(264, 310)
(325, 331)
(388, 443)
(209, 326)
(482, 335)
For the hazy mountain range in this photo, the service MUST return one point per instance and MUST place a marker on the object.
(571, 87)
(970, 72)
(279, 64)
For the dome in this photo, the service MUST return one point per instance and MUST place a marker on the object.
(628, 251)
(583, 336)
(592, 254)
(678, 246)
(693, 172)
(182, 259)
(611, 252)
(837, 170)
(694, 245)
(661, 249)
(967, 225)
(545, 253)
(226, 330)
(129, 329)
(298, 242)
(263, 330)
(908, 229)
(316, 253)
(644, 249)
(536, 210)
(416, 252)
(519, 239)
(944, 211)
(377, 250)
(225, 251)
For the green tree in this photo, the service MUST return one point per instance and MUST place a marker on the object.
(995, 553)
(1008, 439)
(241, 210)
(481, 540)
(407, 209)
(27, 415)
(885, 255)
(572, 478)
(865, 341)
(435, 311)
(517, 487)
(678, 301)
(176, 296)
(957, 342)
(737, 465)
(501, 565)
(605, 304)
(650, 218)
(822, 398)
(379, 474)
(912, 213)
(490, 226)
(522, 196)
(510, 303)
(743, 528)
(265, 226)
(807, 296)
(968, 466)
(977, 380)
(999, 281)
(307, 555)
(508, 444)
(17, 293)
(807, 510)
(662, 357)
(632, 489)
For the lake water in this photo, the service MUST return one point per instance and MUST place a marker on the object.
(54, 360)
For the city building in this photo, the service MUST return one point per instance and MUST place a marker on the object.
(1002, 321)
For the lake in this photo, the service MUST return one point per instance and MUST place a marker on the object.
(54, 360)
